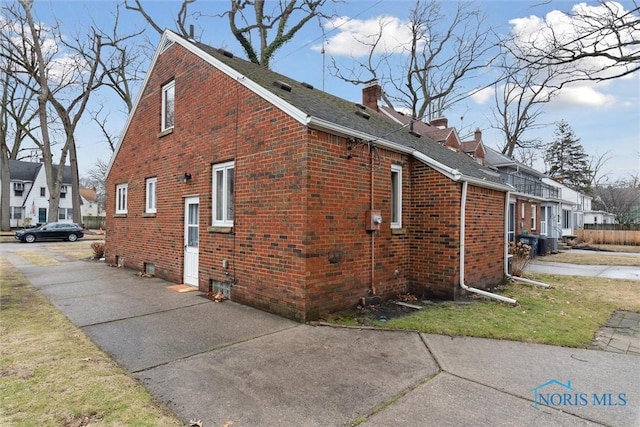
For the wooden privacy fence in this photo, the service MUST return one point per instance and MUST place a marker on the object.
(93, 222)
(609, 237)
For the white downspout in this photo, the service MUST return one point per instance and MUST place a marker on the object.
(463, 208)
(506, 249)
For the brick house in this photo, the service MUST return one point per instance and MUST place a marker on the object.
(232, 177)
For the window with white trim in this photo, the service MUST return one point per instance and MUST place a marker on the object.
(168, 105)
(16, 212)
(65, 214)
(223, 190)
(150, 198)
(566, 218)
(121, 198)
(534, 218)
(396, 196)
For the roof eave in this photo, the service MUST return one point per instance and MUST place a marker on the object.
(447, 171)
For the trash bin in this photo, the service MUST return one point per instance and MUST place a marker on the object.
(531, 240)
(544, 245)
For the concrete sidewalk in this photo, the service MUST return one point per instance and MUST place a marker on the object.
(539, 265)
(228, 364)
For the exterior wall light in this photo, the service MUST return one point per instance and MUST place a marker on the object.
(186, 177)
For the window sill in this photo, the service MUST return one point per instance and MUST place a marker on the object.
(120, 215)
(221, 230)
(398, 231)
(149, 215)
(165, 132)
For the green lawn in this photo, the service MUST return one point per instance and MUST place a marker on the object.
(568, 314)
(51, 374)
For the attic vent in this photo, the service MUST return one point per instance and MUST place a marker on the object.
(360, 106)
(167, 44)
(307, 85)
(363, 114)
(282, 85)
(226, 53)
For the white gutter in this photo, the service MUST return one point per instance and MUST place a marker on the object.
(506, 250)
(463, 208)
(447, 171)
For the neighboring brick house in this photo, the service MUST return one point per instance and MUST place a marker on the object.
(535, 206)
(232, 177)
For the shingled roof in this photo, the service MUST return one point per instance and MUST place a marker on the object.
(322, 107)
(23, 171)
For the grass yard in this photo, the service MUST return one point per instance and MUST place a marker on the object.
(594, 259)
(568, 315)
(51, 374)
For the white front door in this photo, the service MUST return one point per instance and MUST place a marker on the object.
(191, 238)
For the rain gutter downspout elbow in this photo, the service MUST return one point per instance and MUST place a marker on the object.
(463, 208)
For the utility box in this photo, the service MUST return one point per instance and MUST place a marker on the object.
(373, 219)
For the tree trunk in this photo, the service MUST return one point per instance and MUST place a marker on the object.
(5, 208)
(75, 184)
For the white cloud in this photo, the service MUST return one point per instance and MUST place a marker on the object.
(583, 96)
(483, 95)
(355, 37)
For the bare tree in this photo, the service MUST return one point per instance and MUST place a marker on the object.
(96, 178)
(121, 71)
(518, 98)
(66, 72)
(260, 32)
(17, 111)
(599, 42)
(621, 199)
(442, 53)
(596, 163)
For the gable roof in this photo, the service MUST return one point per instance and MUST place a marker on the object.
(437, 133)
(323, 111)
(23, 171)
(28, 171)
(496, 159)
(89, 194)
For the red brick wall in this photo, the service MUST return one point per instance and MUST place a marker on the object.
(484, 237)
(434, 233)
(299, 245)
(339, 247)
(523, 222)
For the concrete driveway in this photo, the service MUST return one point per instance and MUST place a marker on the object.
(228, 364)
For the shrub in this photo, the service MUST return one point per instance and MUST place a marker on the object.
(521, 255)
(98, 250)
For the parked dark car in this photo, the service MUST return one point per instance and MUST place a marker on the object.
(51, 231)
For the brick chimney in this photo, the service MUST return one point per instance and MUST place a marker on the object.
(440, 122)
(477, 135)
(371, 94)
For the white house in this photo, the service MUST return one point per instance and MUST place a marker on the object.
(90, 205)
(29, 200)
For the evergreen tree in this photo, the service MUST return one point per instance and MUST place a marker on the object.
(566, 160)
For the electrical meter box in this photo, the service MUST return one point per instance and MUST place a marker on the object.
(373, 219)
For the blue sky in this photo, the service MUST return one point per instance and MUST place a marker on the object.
(605, 116)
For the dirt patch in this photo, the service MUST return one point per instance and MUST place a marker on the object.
(385, 310)
(82, 421)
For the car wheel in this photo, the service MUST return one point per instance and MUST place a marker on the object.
(72, 237)
(29, 238)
